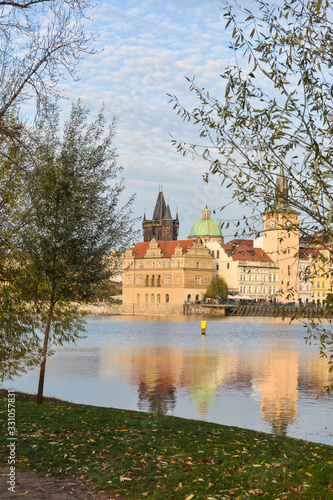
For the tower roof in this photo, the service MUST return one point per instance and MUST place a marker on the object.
(281, 194)
(205, 227)
(160, 207)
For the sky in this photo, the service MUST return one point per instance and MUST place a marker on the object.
(145, 50)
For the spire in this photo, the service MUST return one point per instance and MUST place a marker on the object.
(281, 193)
(167, 214)
(160, 207)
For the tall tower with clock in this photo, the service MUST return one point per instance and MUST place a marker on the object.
(281, 240)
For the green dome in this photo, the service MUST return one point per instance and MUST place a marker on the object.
(205, 227)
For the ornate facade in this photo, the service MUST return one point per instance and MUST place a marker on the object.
(160, 276)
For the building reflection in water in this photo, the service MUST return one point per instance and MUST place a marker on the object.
(274, 377)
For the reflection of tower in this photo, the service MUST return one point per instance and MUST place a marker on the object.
(279, 390)
(158, 399)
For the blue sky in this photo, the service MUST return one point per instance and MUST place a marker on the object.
(148, 47)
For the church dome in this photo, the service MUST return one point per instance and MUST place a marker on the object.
(205, 227)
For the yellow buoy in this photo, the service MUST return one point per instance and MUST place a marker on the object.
(203, 327)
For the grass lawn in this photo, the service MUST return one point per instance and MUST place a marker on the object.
(140, 455)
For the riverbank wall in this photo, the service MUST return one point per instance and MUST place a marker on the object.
(107, 308)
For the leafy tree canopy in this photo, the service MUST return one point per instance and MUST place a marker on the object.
(217, 288)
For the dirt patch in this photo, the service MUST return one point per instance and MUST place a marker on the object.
(31, 486)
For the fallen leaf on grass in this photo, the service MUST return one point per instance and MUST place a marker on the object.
(123, 478)
(189, 497)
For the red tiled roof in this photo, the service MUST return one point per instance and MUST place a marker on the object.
(167, 247)
(246, 252)
(140, 249)
(237, 241)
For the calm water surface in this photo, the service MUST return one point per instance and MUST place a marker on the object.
(251, 373)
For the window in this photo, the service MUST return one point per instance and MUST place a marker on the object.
(167, 298)
(167, 280)
(255, 289)
(228, 266)
(138, 280)
(178, 264)
(270, 290)
(250, 277)
(213, 254)
(197, 281)
(158, 298)
(197, 297)
(217, 267)
(152, 298)
(189, 298)
(138, 298)
(146, 298)
(274, 278)
(128, 280)
(288, 270)
(270, 277)
(217, 254)
(250, 289)
(198, 265)
(256, 278)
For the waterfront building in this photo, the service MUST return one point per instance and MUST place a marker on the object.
(281, 241)
(162, 226)
(160, 276)
(305, 285)
(248, 271)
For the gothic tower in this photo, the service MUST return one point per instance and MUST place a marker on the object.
(281, 240)
(162, 226)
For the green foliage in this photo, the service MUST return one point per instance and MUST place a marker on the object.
(217, 288)
(62, 252)
(275, 115)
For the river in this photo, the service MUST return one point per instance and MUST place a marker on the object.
(255, 373)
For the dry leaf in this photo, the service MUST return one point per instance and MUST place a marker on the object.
(123, 478)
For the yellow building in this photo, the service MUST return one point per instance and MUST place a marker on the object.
(281, 241)
(160, 276)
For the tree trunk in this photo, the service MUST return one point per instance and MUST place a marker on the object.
(43, 363)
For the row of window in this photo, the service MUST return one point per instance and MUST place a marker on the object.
(249, 277)
(258, 289)
(168, 264)
(157, 280)
(152, 298)
(318, 285)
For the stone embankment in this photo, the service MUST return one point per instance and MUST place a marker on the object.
(107, 308)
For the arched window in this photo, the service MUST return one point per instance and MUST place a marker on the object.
(146, 280)
(138, 298)
(158, 298)
(167, 298)
(152, 298)
(146, 298)
(197, 297)
(189, 298)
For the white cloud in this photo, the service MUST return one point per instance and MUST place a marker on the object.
(148, 48)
